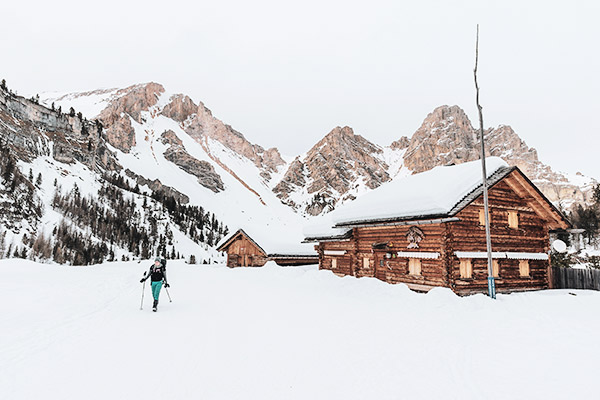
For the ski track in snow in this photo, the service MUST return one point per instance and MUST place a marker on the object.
(283, 333)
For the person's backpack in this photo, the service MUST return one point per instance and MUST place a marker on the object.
(163, 262)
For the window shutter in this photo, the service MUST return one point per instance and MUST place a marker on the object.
(482, 217)
(414, 266)
(513, 219)
(466, 269)
(495, 268)
(366, 263)
(524, 267)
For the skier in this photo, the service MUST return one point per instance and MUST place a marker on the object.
(157, 274)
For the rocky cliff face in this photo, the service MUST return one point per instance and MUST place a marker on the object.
(32, 130)
(128, 102)
(202, 170)
(335, 169)
(447, 136)
(198, 122)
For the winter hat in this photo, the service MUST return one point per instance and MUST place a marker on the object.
(157, 259)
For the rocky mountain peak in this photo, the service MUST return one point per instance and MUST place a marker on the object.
(128, 102)
(334, 169)
(338, 133)
(343, 141)
(179, 108)
(447, 136)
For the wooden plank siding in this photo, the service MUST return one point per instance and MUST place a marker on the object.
(528, 234)
(531, 236)
(393, 270)
(243, 253)
(571, 278)
(343, 263)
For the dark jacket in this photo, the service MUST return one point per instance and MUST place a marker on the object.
(157, 273)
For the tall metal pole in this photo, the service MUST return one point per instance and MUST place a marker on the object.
(486, 210)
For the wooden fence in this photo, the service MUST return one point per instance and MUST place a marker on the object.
(571, 278)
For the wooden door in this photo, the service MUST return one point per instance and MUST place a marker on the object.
(380, 269)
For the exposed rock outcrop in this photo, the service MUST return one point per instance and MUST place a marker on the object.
(401, 143)
(447, 136)
(198, 122)
(331, 171)
(29, 128)
(157, 187)
(202, 170)
(128, 102)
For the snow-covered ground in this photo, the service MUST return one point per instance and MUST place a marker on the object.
(284, 333)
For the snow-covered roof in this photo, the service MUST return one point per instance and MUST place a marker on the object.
(439, 192)
(428, 194)
(323, 227)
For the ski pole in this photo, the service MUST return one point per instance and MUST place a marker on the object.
(143, 287)
(167, 290)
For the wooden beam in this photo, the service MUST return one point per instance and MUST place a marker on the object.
(537, 202)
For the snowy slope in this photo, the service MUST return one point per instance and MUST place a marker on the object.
(284, 333)
(88, 183)
(237, 206)
(90, 104)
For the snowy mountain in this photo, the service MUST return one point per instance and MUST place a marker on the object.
(338, 168)
(171, 160)
(165, 137)
(65, 196)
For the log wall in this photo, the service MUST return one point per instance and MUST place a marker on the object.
(468, 234)
(361, 259)
(243, 253)
(343, 263)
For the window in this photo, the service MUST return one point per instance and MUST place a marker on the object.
(495, 268)
(414, 266)
(513, 219)
(333, 263)
(524, 267)
(482, 217)
(466, 269)
(366, 263)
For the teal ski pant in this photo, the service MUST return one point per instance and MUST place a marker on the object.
(156, 286)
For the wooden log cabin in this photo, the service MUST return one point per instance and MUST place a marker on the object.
(428, 230)
(243, 251)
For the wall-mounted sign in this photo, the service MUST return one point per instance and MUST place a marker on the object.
(414, 237)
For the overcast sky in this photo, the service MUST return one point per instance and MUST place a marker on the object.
(285, 73)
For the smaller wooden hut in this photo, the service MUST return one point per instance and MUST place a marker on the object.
(243, 251)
